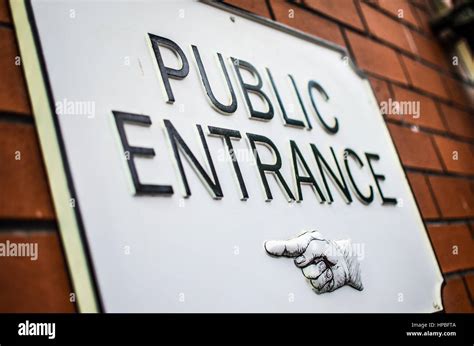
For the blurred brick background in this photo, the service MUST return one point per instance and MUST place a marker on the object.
(404, 62)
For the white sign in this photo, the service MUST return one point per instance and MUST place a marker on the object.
(203, 160)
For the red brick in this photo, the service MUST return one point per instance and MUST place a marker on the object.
(35, 286)
(392, 31)
(5, 16)
(423, 195)
(428, 113)
(458, 157)
(460, 93)
(400, 8)
(454, 247)
(422, 5)
(458, 122)
(25, 193)
(430, 50)
(376, 58)
(425, 78)
(470, 284)
(380, 88)
(455, 196)
(343, 10)
(386, 28)
(414, 148)
(13, 94)
(455, 298)
(423, 19)
(306, 21)
(255, 6)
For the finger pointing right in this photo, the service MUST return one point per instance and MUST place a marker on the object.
(289, 248)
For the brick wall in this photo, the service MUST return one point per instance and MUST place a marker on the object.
(404, 62)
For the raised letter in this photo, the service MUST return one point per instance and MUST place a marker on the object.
(178, 143)
(227, 135)
(340, 183)
(377, 177)
(205, 81)
(131, 152)
(167, 72)
(287, 120)
(256, 89)
(269, 168)
(312, 84)
(349, 152)
(300, 179)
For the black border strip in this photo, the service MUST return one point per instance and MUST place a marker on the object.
(67, 169)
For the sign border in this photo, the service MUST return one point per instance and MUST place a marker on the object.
(69, 218)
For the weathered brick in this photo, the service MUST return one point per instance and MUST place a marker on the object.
(430, 50)
(460, 93)
(343, 10)
(306, 21)
(415, 148)
(423, 195)
(5, 16)
(376, 58)
(423, 5)
(425, 78)
(458, 122)
(455, 196)
(255, 6)
(35, 286)
(380, 88)
(428, 115)
(25, 193)
(423, 19)
(458, 157)
(454, 247)
(400, 8)
(392, 31)
(13, 93)
(455, 298)
(386, 28)
(470, 284)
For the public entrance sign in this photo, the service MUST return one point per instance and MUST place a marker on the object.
(203, 159)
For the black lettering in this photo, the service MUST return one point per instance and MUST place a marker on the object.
(227, 135)
(351, 153)
(312, 84)
(340, 182)
(287, 120)
(256, 89)
(300, 179)
(178, 143)
(142, 120)
(269, 168)
(308, 122)
(167, 72)
(377, 177)
(205, 81)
